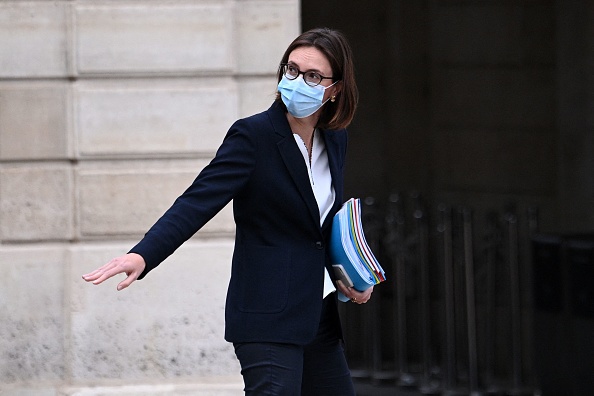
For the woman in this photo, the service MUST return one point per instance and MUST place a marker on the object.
(283, 170)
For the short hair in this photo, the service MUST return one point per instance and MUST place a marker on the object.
(333, 44)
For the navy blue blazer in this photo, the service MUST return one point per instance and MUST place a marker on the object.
(276, 285)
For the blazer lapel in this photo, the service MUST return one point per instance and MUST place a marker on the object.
(293, 160)
(333, 149)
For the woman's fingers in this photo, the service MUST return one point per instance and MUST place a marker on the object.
(126, 282)
(91, 276)
(360, 297)
(353, 294)
(342, 288)
(104, 272)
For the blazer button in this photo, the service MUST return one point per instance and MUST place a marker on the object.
(319, 245)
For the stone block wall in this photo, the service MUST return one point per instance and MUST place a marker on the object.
(108, 110)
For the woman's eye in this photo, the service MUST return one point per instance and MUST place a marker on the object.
(312, 76)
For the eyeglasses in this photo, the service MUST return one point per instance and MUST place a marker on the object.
(311, 78)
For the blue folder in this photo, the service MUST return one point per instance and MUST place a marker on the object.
(353, 261)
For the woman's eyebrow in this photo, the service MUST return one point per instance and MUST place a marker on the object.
(292, 63)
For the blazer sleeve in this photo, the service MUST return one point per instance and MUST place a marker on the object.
(212, 189)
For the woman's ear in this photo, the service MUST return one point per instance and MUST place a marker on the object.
(335, 91)
(337, 88)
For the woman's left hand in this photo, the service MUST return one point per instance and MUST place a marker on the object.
(354, 295)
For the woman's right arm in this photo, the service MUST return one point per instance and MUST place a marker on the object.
(214, 187)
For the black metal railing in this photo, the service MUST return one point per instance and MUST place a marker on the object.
(455, 315)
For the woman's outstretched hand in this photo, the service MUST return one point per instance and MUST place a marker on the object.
(354, 295)
(131, 264)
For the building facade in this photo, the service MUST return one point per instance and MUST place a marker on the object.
(108, 110)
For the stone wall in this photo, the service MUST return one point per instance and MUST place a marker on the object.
(108, 110)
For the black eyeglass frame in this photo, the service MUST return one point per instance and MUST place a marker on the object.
(284, 68)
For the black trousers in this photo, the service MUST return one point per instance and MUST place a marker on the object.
(316, 369)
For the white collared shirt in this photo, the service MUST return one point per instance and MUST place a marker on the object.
(320, 179)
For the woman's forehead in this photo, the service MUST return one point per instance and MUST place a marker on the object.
(310, 58)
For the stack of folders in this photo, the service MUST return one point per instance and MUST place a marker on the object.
(354, 263)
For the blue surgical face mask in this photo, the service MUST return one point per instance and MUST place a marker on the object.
(302, 100)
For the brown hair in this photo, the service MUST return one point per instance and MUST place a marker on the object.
(338, 114)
